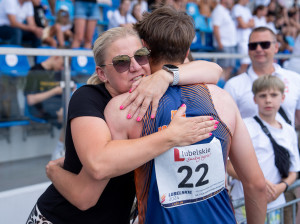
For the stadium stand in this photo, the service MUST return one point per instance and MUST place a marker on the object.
(82, 67)
(13, 69)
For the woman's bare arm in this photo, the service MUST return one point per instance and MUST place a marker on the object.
(103, 159)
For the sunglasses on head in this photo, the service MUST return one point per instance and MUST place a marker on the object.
(264, 45)
(122, 62)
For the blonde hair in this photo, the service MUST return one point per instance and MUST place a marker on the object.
(267, 82)
(102, 44)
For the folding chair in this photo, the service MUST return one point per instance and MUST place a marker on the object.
(82, 67)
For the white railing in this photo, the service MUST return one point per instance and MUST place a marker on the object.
(67, 53)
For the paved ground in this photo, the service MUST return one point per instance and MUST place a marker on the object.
(32, 171)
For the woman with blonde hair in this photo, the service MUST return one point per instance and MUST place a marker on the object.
(120, 60)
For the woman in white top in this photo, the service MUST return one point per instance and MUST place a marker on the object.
(259, 15)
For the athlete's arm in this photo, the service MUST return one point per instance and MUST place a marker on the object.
(244, 161)
(151, 88)
(230, 170)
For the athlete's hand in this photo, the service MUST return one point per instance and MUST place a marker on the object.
(147, 90)
(52, 165)
(189, 130)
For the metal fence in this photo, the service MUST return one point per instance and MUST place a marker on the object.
(241, 202)
(67, 54)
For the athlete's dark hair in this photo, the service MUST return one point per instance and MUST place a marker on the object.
(168, 33)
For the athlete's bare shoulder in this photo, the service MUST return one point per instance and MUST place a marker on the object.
(116, 119)
(224, 105)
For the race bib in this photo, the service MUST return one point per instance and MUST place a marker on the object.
(190, 174)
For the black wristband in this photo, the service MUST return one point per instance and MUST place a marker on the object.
(286, 187)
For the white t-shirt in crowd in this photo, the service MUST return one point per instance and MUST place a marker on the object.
(271, 26)
(294, 63)
(286, 136)
(260, 21)
(117, 19)
(144, 6)
(221, 17)
(239, 87)
(13, 7)
(245, 13)
(262, 2)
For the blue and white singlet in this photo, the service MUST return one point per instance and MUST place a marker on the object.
(185, 185)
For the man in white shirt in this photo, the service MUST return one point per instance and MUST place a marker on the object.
(244, 23)
(262, 48)
(17, 22)
(224, 35)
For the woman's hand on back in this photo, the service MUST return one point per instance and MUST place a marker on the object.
(189, 130)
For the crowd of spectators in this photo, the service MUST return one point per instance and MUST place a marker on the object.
(24, 22)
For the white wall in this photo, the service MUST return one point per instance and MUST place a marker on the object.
(34, 146)
(16, 205)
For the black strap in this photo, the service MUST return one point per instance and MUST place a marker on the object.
(264, 128)
(285, 117)
(282, 156)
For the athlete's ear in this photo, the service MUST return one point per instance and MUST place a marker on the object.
(187, 53)
(145, 44)
(187, 60)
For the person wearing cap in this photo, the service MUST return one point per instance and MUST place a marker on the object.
(53, 36)
(65, 24)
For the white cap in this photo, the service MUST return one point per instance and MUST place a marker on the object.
(64, 8)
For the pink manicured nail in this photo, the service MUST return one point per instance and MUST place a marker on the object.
(152, 116)
(138, 119)
(211, 118)
(210, 134)
(130, 90)
(128, 116)
(217, 122)
(215, 126)
(121, 107)
(183, 105)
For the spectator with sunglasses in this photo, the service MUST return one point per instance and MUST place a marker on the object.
(213, 206)
(121, 60)
(262, 47)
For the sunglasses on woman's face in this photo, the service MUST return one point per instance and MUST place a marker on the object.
(263, 44)
(122, 62)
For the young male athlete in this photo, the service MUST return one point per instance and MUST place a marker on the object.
(187, 184)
